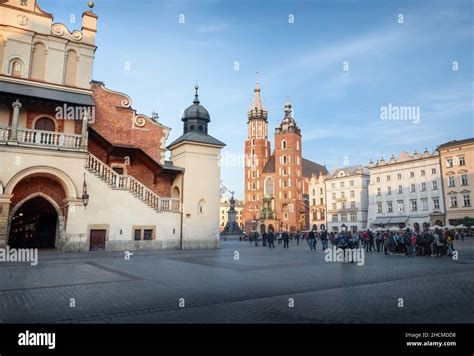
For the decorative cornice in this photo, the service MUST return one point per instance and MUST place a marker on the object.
(61, 30)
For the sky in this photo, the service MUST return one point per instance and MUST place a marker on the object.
(340, 62)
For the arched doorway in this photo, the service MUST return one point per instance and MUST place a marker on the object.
(262, 228)
(271, 228)
(439, 223)
(34, 225)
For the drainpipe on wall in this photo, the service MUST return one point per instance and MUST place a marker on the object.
(182, 214)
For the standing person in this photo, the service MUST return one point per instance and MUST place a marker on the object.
(312, 240)
(356, 239)
(342, 243)
(371, 241)
(385, 243)
(378, 240)
(438, 243)
(256, 236)
(271, 239)
(324, 239)
(298, 239)
(286, 240)
(427, 243)
(264, 239)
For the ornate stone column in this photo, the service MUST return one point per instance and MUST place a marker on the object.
(85, 122)
(15, 119)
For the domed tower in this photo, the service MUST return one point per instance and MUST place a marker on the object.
(196, 117)
(199, 189)
(290, 189)
(257, 154)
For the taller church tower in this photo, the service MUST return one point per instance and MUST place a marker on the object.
(257, 153)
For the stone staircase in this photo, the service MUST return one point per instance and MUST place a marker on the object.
(133, 186)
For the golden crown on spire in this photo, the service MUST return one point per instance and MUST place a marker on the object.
(91, 4)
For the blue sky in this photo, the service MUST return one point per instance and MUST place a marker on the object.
(408, 64)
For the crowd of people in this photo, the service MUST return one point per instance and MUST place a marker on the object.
(438, 242)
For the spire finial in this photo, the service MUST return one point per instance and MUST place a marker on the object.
(196, 96)
(91, 5)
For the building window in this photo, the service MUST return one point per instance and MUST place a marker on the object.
(202, 207)
(454, 201)
(412, 174)
(269, 186)
(16, 68)
(45, 124)
(351, 183)
(379, 208)
(424, 204)
(321, 191)
(334, 217)
(284, 160)
(399, 176)
(449, 162)
(451, 182)
(143, 233)
(462, 161)
(353, 217)
(344, 217)
(400, 189)
(464, 180)
(71, 68)
(412, 188)
(414, 206)
(436, 203)
(390, 207)
(38, 61)
(343, 205)
(423, 187)
(434, 185)
(343, 195)
(333, 196)
(433, 170)
(334, 206)
(321, 201)
(253, 142)
(466, 199)
(378, 179)
(342, 184)
(423, 172)
(400, 206)
(379, 192)
(283, 145)
(352, 194)
(388, 178)
(333, 185)
(353, 204)
(389, 190)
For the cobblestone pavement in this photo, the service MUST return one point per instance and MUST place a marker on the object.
(264, 285)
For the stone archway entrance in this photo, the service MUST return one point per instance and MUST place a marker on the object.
(34, 225)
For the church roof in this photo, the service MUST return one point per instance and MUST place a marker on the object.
(270, 166)
(197, 137)
(309, 167)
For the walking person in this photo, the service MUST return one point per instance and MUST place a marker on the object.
(264, 239)
(312, 240)
(286, 240)
(256, 237)
(324, 239)
(271, 239)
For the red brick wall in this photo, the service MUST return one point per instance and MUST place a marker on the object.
(43, 185)
(115, 123)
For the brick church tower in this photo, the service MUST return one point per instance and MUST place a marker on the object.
(289, 185)
(257, 152)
